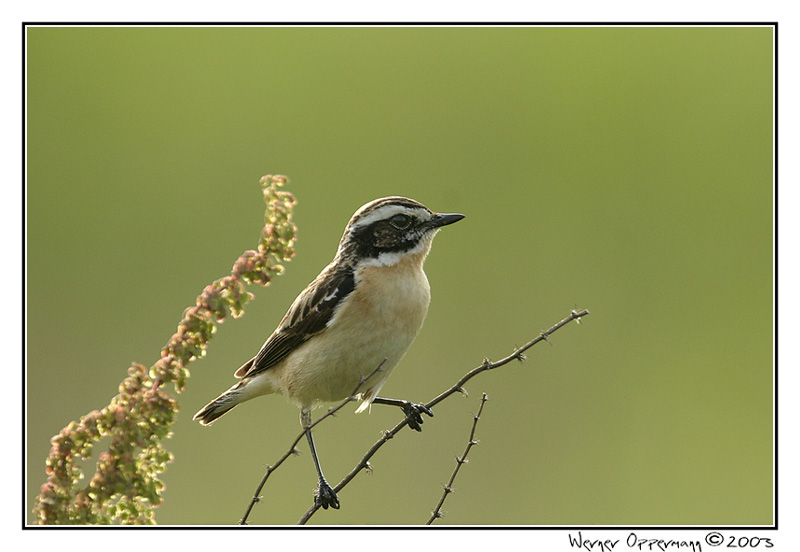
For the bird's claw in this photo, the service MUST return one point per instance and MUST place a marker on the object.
(325, 496)
(414, 412)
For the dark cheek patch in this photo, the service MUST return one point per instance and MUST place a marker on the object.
(384, 237)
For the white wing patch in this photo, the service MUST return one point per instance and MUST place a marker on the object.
(331, 296)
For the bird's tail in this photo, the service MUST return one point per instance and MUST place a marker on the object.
(221, 404)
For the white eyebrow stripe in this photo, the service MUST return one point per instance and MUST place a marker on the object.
(388, 211)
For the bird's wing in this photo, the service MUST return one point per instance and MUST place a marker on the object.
(308, 316)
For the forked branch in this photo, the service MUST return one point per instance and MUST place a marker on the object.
(363, 464)
(293, 450)
(460, 461)
(486, 365)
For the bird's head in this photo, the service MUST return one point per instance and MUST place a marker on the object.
(384, 231)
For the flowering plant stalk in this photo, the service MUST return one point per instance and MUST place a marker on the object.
(125, 487)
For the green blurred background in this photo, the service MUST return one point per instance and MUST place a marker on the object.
(623, 170)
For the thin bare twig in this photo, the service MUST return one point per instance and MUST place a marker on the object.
(516, 355)
(293, 450)
(460, 461)
(363, 464)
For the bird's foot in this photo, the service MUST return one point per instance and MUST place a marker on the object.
(325, 496)
(413, 412)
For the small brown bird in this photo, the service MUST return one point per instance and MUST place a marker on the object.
(362, 311)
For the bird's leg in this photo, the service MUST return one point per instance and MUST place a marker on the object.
(413, 411)
(325, 495)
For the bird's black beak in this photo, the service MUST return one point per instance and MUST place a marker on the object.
(443, 219)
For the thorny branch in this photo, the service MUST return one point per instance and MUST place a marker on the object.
(460, 461)
(363, 464)
(293, 450)
(516, 355)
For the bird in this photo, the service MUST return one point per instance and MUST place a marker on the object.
(348, 329)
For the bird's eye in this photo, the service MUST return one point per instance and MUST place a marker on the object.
(401, 222)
